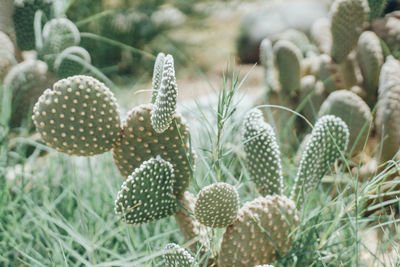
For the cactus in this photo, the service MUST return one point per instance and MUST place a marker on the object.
(388, 109)
(288, 58)
(217, 205)
(370, 59)
(157, 76)
(147, 194)
(348, 17)
(163, 111)
(23, 18)
(321, 35)
(328, 73)
(140, 142)
(262, 152)
(27, 80)
(66, 66)
(6, 54)
(267, 60)
(388, 29)
(313, 92)
(350, 71)
(79, 116)
(261, 232)
(376, 8)
(353, 111)
(296, 37)
(178, 256)
(329, 139)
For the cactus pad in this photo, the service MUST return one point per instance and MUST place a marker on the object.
(59, 34)
(348, 17)
(261, 233)
(287, 58)
(79, 116)
(328, 140)
(313, 92)
(66, 66)
(217, 205)
(353, 111)
(262, 154)
(376, 8)
(176, 256)
(157, 76)
(163, 111)
(23, 18)
(6, 54)
(147, 194)
(140, 142)
(321, 35)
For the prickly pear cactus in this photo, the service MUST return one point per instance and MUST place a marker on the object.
(329, 139)
(59, 34)
(217, 205)
(178, 256)
(388, 109)
(262, 154)
(376, 8)
(79, 116)
(261, 232)
(370, 59)
(27, 80)
(353, 111)
(288, 58)
(296, 37)
(163, 111)
(321, 34)
(65, 65)
(313, 92)
(348, 17)
(6, 54)
(139, 142)
(157, 76)
(23, 18)
(328, 73)
(267, 60)
(350, 71)
(147, 194)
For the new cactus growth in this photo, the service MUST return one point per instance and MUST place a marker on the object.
(376, 8)
(288, 58)
(261, 233)
(66, 64)
(353, 111)
(163, 111)
(263, 155)
(79, 116)
(388, 109)
(23, 18)
(139, 142)
(157, 76)
(147, 194)
(328, 140)
(370, 59)
(217, 205)
(176, 256)
(348, 17)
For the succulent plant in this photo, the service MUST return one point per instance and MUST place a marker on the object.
(27, 80)
(353, 111)
(350, 71)
(388, 29)
(329, 73)
(321, 35)
(163, 111)
(176, 256)
(23, 18)
(262, 154)
(147, 194)
(267, 60)
(313, 92)
(348, 17)
(288, 58)
(157, 76)
(58, 34)
(388, 109)
(65, 65)
(370, 59)
(79, 116)
(329, 139)
(217, 205)
(296, 37)
(6, 54)
(261, 232)
(376, 8)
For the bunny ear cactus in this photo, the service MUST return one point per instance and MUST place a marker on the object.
(388, 109)
(370, 59)
(67, 64)
(23, 19)
(147, 194)
(353, 111)
(287, 58)
(262, 152)
(261, 232)
(140, 142)
(313, 92)
(157, 76)
(79, 116)
(321, 34)
(176, 256)
(267, 60)
(348, 17)
(296, 37)
(217, 205)
(6, 54)
(376, 8)
(163, 111)
(328, 140)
